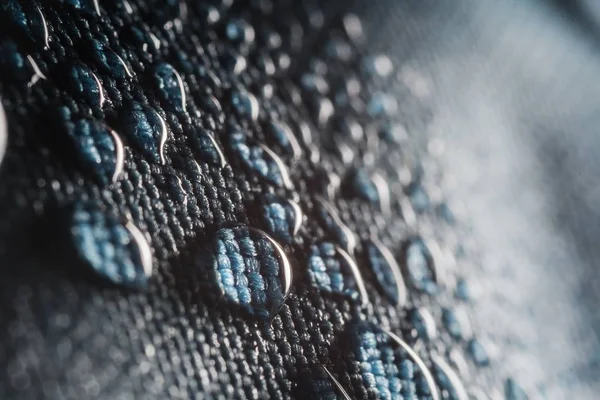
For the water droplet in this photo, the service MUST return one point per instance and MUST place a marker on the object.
(314, 83)
(420, 266)
(173, 185)
(261, 160)
(117, 251)
(370, 187)
(337, 384)
(418, 197)
(37, 73)
(333, 270)
(207, 147)
(462, 290)
(448, 379)
(380, 66)
(282, 217)
(86, 84)
(209, 13)
(252, 270)
(3, 132)
(245, 104)
(338, 228)
(110, 62)
(234, 62)
(353, 27)
(339, 49)
(325, 110)
(394, 133)
(239, 31)
(285, 138)
(424, 323)
(170, 86)
(512, 391)
(98, 147)
(382, 105)
(27, 18)
(265, 63)
(147, 129)
(86, 5)
(387, 271)
(478, 352)
(452, 323)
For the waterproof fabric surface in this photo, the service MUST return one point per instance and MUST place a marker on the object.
(298, 200)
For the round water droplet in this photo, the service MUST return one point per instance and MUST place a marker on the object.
(3, 132)
(333, 270)
(170, 86)
(109, 62)
(387, 271)
(146, 129)
(448, 379)
(380, 66)
(261, 160)
(207, 148)
(239, 31)
(424, 323)
(420, 266)
(283, 136)
(86, 84)
(382, 105)
(282, 217)
(336, 226)
(117, 251)
(27, 18)
(478, 353)
(98, 148)
(512, 391)
(245, 104)
(252, 270)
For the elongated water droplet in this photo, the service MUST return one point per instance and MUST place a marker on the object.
(245, 104)
(86, 84)
(208, 149)
(117, 251)
(252, 270)
(512, 391)
(452, 323)
(380, 66)
(3, 132)
(333, 270)
(462, 290)
(261, 160)
(314, 83)
(393, 133)
(234, 62)
(282, 217)
(353, 27)
(337, 384)
(387, 271)
(170, 86)
(478, 353)
(239, 31)
(98, 148)
(147, 129)
(27, 18)
(109, 62)
(370, 187)
(420, 265)
(37, 73)
(324, 110)
(448, 379)
(285, 138)
(423, 322)
(337, 227)
(418, 197)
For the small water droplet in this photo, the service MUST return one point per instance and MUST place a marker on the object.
(207, 147)
(369, 187)
(324, 110)
(86, 84)
(394, 133)
(478, 352)
(387, 271)
(170, 86)
(282, 217)
(117, 251)
(265, 63)
(3, 132)
(420, 266)
(261, 160)
(452, 323)
(252, 270)
(512, 391)
(285, 138)
(339, 49)
(208, 12)
(462, 290)
(382, 105)
(333, 270)
(424, 323)
(109, 61)
(234, 62)
(147, 129)
(314, 83)
(99, 148)
(353, 27)
(337, 227)
(27, 18)
(239, 31)
(448, 379)
(418, 197)
(379, 65)
(245, 104)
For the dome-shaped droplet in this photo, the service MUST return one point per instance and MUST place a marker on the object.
(3, 132)
(252, 270)
(86, 85)
(379, 65)
(478, 353)
(261, 160)
(90, 6)
(234, 62)
(353, 27)
(448, 379)
(382, 105)
(282, 135)
(314, 83)
(116, 250)
(418, 197)
(452, 323)
(239, 31)
(245, 103)
(324, 110)
(512, 391)
(333, 270)
(369, 187)
(170, 86)
(146, 129)
(98, 148)
(336, 226)
(207, 148)
(387, 271)
(108, 61)
(423, 322)
(462, 290)
(27, 18)
(393, 133)
(420, 266)
(282, 217)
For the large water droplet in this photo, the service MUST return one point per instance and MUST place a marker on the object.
(117, 251)
(109, 61)
(239, 31)
(512, 391)
(336, 226)
(252, 270)
(387, 271)
(478, 353)
(282, 217)
(424, 323)
(420, 265)
(98, 148)
(147, 129)
(448, 379)
(333, 270)
(28, 19)
(281, 134)
(170, 86)
(261, 160)
(3, 132)
(208, 149)
(86, 84)
(245, 104)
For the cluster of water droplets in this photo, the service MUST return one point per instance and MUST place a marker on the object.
(251, 265)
